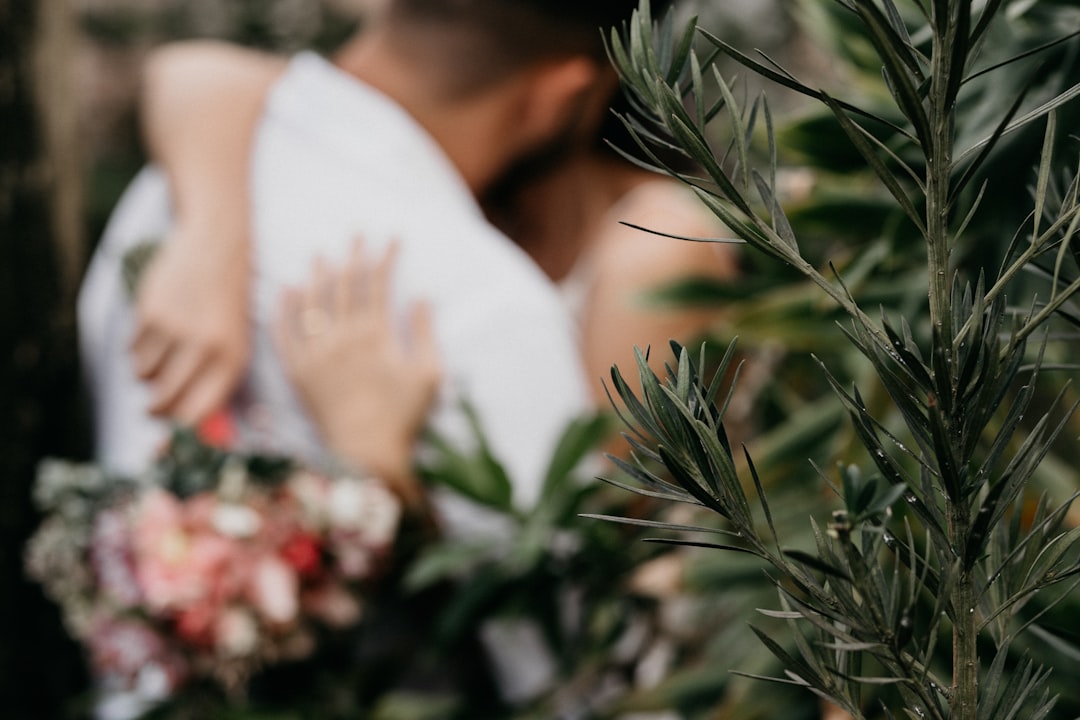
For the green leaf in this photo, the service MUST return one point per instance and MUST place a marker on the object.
(416, 705)
(858, 137)
(888, 28)
(444, 561)
(707, 545)
(1020, 56)
(659, 525)
(817, 564)
(798, 668)
(989, 13)
(902, 70)
(475, 474)
(580, 438)
(1028, 117)
(788, 81)
(654, 486)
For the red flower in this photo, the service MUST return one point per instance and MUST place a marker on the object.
(218, 429)
(303, 552)
(195, 625)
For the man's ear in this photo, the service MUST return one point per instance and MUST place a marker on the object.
(557, 96)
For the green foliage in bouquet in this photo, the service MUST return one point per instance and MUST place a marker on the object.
(922, 594)
(573, 588)
(616, 626)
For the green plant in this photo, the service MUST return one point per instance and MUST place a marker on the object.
(943, 538)
(567, 584)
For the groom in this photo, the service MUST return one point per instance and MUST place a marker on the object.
(395, 138)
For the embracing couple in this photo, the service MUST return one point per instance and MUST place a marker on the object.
(441, 121)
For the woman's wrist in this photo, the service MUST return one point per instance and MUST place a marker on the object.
(388, 462)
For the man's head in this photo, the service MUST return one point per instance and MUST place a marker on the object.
(479, 43)
(494, 80)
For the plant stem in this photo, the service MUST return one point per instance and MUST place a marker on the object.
(965, 695)
(938, 170)
(949, 39)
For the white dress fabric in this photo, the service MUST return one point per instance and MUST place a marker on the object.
(335, 159)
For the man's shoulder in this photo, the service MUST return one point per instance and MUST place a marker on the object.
(312, 91)
(326, 133)
(472, 258)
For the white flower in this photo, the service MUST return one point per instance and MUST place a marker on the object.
(237, 633)
(236, 520)
(347, 504)
(152, 682)
(274, 589)
(367, 507)
(312, 492)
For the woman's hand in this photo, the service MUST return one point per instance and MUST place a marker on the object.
(200, 104)
(367, 384)
(192, 336)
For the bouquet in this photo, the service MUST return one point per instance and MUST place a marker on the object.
(210, 566)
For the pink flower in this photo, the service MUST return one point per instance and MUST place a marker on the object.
(274, 590)
(178, 566)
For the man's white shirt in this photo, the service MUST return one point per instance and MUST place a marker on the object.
(333, 160)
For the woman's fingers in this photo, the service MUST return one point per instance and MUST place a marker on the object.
(289, 333)
(319, 293)
(378, 295)
(149, 350)
(349, 281)
(170, 384)
(201, 396)
(423, 347)
(355, 299)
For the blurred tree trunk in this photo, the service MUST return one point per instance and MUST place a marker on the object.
(41, 411)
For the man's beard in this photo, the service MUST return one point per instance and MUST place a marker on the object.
(501, 195)
(500, 198)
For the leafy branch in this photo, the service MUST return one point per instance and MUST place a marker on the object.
(968, 450)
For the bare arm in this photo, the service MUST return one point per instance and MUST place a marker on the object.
(201, 104)
(629, 263)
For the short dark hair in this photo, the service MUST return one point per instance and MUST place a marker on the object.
(489, 39)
